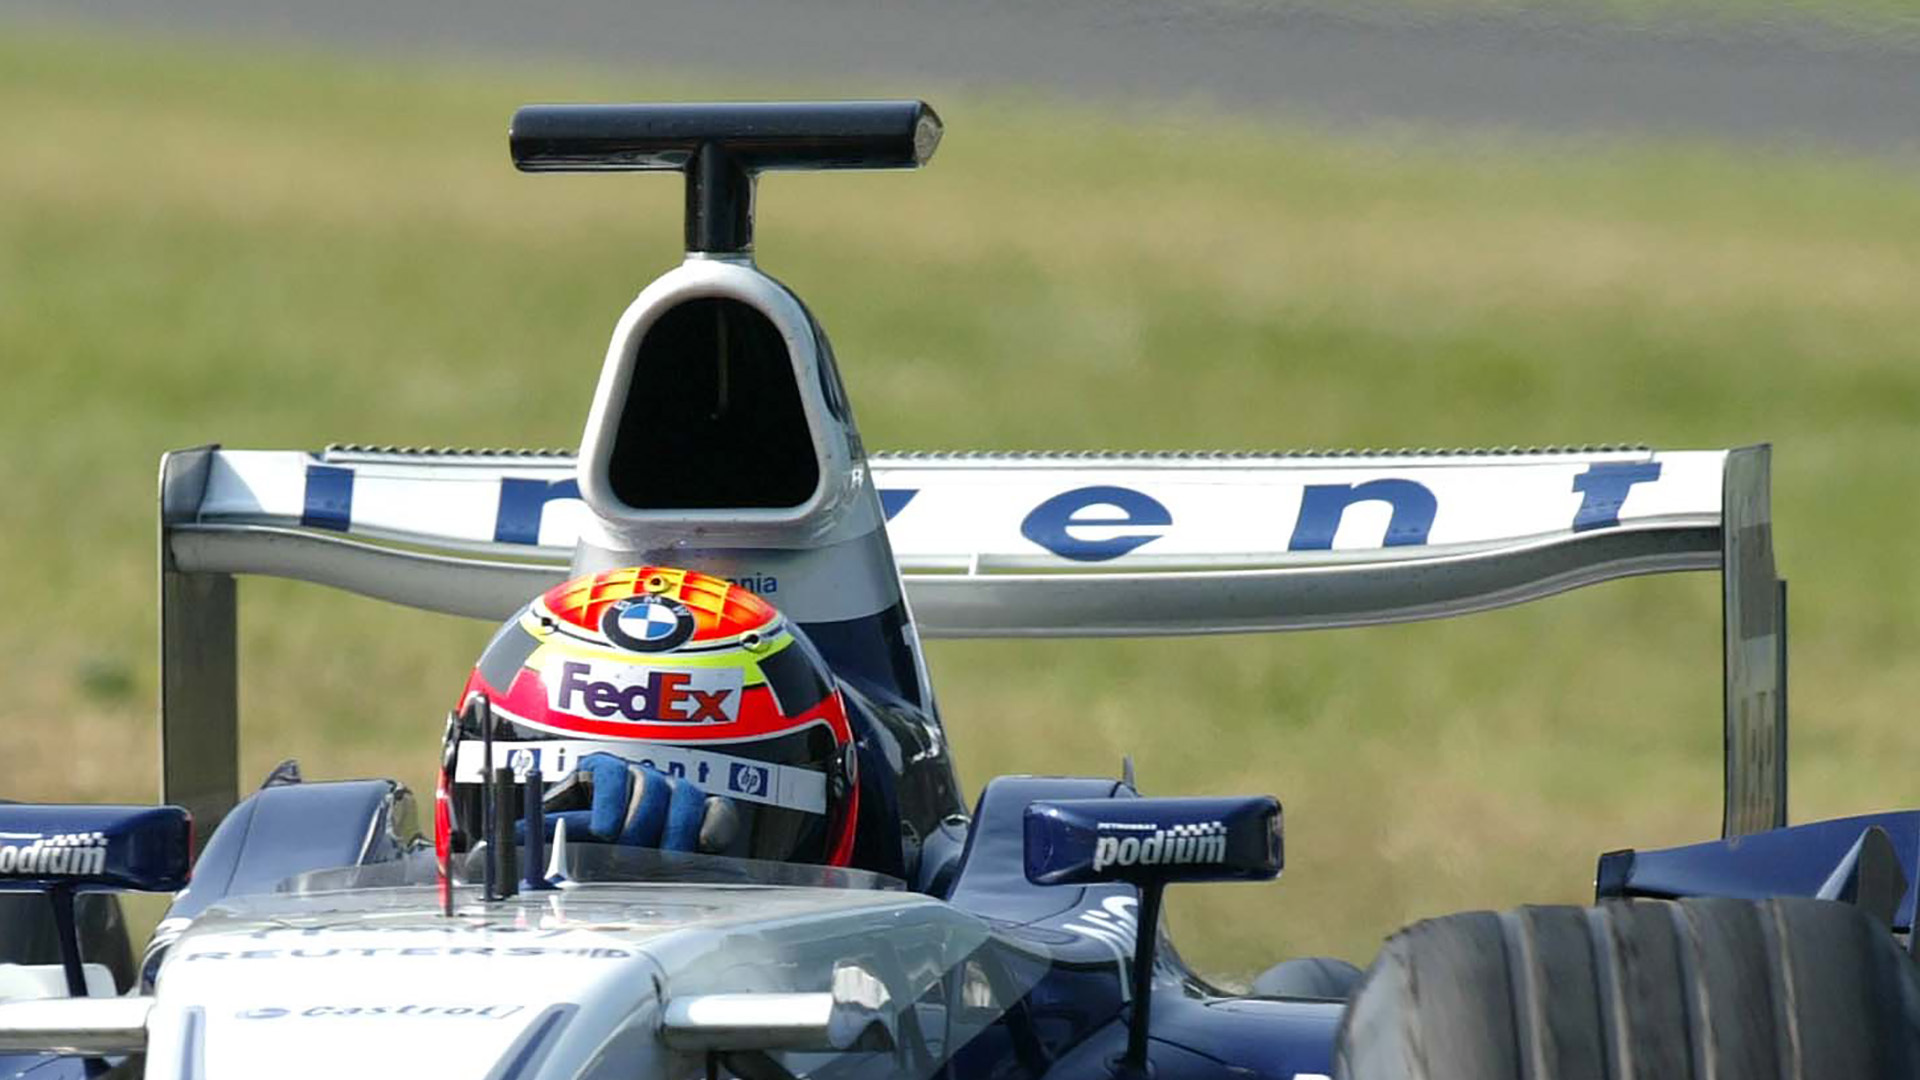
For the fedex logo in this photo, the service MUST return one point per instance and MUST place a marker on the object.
(645, 694)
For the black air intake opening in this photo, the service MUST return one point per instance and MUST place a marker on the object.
(713, 419)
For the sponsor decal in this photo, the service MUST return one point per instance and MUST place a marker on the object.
(1095, 523)
(387, 951)
(748, 780)
(791, 786)
(1323, 506)
(553, 763)
(643, 694)
(328, 500)
(1146, 845)
(647, 623)
(81, 854)
(1114, 923)
(764, 584)
(357, 927)
(438, 1012)
(523, 502)
(1604, 488)
(1060, 524)
(894, 500)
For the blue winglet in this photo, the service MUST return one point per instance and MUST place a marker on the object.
(1799, 860)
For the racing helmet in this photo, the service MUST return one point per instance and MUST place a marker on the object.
(686, 673)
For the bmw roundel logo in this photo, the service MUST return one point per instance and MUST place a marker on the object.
(647, 623)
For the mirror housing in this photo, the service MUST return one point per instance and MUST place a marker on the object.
(1150, 843)
(1153, 841)
(75, 1027)
(85, 848)
(853, 1014)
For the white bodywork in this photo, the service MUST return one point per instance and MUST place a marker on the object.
(552, 984)
(998, 545)
(964, 513)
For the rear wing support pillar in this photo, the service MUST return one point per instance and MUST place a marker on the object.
(199, 673)
(1754, 662)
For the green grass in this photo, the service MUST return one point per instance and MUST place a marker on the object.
(284, 250)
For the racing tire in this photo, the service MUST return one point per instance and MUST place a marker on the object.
(1697, 989)
(1316, 978)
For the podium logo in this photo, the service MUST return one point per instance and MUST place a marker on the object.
(1200, 842)
(60, 855)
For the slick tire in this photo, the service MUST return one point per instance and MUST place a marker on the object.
(1706, 989)
(1320, 978)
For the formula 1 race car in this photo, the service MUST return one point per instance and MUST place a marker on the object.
(323, 931)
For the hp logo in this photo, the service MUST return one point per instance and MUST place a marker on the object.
(747, 779)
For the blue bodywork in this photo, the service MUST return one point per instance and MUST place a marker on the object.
(289, 829)
(1075, 938)
(1073, 1022)
(61, 850)
(128, 848)
(1799, 860)
(1070, 841)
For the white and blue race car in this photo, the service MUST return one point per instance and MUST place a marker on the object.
(315, 931)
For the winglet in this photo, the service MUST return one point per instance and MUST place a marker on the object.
(557, 861)
(722, 147)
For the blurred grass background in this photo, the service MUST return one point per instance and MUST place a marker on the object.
(281, 249)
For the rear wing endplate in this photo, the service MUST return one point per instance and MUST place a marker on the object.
(1014, 545)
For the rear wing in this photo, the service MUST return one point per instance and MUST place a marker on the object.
(1022, 545)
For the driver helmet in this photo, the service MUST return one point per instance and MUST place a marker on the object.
(682, 672)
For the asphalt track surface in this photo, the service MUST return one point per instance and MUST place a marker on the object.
(1260, 57)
